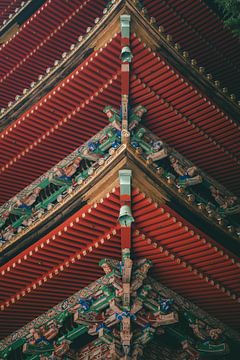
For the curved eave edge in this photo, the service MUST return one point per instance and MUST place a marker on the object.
(145, 28)
(151, 35)
(86, 193)
(25, 10)
(79, 52)
(179, 203)
(167, 292)
(89, 191)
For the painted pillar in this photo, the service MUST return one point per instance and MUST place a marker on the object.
(126, 219)
(126, 58)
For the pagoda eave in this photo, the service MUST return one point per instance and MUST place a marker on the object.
(93, 40)
(185, 258)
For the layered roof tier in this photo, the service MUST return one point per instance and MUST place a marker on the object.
(186, 222)
(198, 30)
(184, 259)
(178, 111)
(46, 35)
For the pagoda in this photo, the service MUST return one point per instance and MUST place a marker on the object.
(119, 178)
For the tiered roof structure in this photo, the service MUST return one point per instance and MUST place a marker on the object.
(119, 155)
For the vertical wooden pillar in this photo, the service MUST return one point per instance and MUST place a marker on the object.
(126, 57)
(126, 219)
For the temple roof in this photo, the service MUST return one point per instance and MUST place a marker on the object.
(198, 30)
(178, 112)
(60, 157)
(43, 38)
(184, 257)
(156, 312)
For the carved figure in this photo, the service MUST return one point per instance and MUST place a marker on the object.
(3, 217)
(110, 137)
(2, 238)
(113, 116)
(66, 173)
(37, 336)
(83, 304)
(159, 151)
(86, 153)
(136, 116)
(62, 349)
(108, 265)
(51, 331)
(204, 332)
(188, 176)
(28, 200)
(193, 354)
(165, 305)
(8, 233)
(224, 201)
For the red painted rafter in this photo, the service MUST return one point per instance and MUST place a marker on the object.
(199, 31)
(60, 120)
(184, 258)
(179, 114)
(46, 35)
(177, 92)
(187, 120)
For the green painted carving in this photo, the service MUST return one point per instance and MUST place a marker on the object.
(52, 187)
(113, 116)
(99, 311)
(136, 115)
(186, 177)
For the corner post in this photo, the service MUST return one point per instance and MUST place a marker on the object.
(126, 58)
(126, 219)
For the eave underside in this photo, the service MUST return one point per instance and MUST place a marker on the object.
(185, 259)
(198, 30)
(177, 112)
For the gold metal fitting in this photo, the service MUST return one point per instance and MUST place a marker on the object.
(194, 62)
(169, 38)
(190, 198)
(209, 76)
(170, 181)
(153, 20)
(210, 213)
(201, 206)
(225, 90)
(181, 190)
(177, 46)
(160, 171)
(138, 151)
(185, 54)
(111, 151)
(161, 29)
(149, 161)
(201, 69)
(220, 221)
